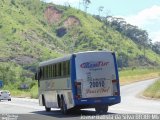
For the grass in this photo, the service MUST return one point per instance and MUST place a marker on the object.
(130, 76)
(31, 93)
(153, 91)
(34, 92)
(25, 32)
(126, 77)
(30, 31)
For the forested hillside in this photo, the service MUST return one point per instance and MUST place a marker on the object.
(32, 31)
(137, 35)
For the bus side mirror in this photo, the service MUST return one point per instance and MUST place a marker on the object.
(36, 76)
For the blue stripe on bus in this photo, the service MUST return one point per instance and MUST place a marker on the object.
(110, 100)
(73, 75)
(116, 70)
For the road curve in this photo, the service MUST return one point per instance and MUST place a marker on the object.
(130, 103)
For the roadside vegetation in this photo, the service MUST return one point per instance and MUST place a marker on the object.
(134, 75)
(127, 76)
(17, 92)
(31, 32)
(153, 91)
(137, 74)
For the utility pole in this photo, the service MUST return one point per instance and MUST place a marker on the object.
(79, 4)
(100, 9)
(86, 3)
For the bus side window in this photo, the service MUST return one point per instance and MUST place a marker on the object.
(48, 67)
(68, 68)
(47, 74)
(51, 71)
(64, 68)
(59, 72)
(54, 70)
(42, 73)
(48, 71)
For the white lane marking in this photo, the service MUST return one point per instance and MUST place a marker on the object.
(36, 107)
(20, 105)
(123, 111)
(132, 111)
(25, 99)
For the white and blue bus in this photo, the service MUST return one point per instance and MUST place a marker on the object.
(80, 80)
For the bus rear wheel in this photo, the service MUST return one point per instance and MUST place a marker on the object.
(63, 106)
(44, 103)
(47, 109)
(101, 109)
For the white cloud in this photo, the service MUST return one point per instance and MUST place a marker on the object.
(147, 19)
(155, 36)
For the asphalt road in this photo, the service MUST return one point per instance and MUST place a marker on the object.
(29, 109)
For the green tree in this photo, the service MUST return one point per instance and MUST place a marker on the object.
(156, 47)
(100, 9)
(13, 2)
(86, 4)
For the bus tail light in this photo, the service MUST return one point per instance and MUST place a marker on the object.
(78, 90)
(115, 89)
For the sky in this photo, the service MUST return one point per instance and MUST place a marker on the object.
(143, 13)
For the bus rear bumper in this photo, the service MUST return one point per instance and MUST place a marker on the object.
(111, 100)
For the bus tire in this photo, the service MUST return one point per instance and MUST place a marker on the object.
(58, 101)
(47, 109)
(63, 106)
(101, 109)
(44, 104)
